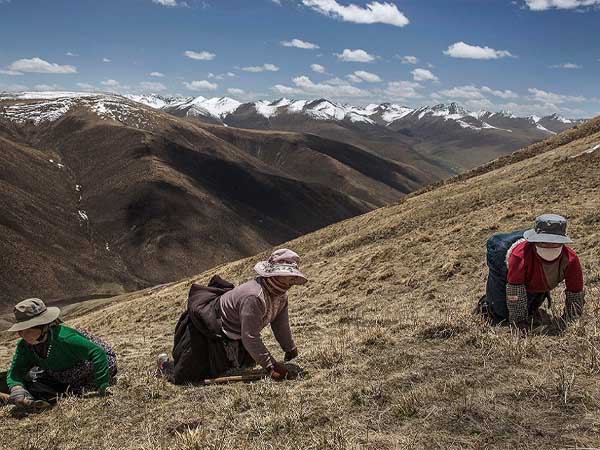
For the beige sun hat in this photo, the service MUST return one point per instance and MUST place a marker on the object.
(281, 263)
(33, 313)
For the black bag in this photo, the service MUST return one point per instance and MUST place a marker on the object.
(198, 351)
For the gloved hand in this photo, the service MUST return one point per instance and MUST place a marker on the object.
(290, 355)
(278, 371)
(19, 396)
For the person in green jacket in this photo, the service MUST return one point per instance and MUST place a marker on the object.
(52, 359)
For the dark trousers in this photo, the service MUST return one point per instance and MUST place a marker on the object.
(496, 297)
(40, 387)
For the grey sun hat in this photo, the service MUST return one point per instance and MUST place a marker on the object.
(281, 263)
(33, 313)
(549, 228)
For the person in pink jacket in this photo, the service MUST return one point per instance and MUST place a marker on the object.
(221, 327)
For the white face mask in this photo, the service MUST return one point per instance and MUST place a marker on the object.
(549, 254)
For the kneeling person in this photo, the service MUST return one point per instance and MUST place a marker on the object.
(221, 328)
(526, 266)
(52, 358)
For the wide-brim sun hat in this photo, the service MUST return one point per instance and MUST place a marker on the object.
(281, 263)
(549, 229)
(32, 313)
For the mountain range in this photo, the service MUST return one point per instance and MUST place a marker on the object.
(446, 135)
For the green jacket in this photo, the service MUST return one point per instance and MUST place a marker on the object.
(68, 348)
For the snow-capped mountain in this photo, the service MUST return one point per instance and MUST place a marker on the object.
(225, 110)
(456, 138)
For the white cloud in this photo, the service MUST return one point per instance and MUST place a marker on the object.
(278, 2)
(110, 83)
(157, 74)
(318, 68)
(299, 44)
(423, 75)
(71, 54)
(374, 12)
(334, 88)
(543, 5)
(501, 94)
(286, 90)
(153, 86)
(566, 66)
(409, 59)
(539, 109)
(236, 91)
(86, 87)
(403, 90)
(551, 97)
(10, 72)
(12, 87)
(201, 56)
(231, 74)
(361, 75)
(169, 3)
(106, 60)
(472, 93)
(357, 55)
(463, 50)
(47, 87)
(263, 68)
(201, 85)
(37, 65)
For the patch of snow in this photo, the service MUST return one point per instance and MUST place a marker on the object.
(38, 112)
(220, 107)
(541, 128)
(485, 126)
(78, 187)
(587, 152)
(107, 247)
(82, 215)
(297, 106)
(266, 109)
(60, 166)
(48, 95)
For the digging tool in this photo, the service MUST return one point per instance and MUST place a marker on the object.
(235, 378)
(33, 405)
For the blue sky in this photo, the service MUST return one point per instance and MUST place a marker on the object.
(528, 56)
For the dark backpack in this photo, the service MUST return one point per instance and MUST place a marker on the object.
(497, 246)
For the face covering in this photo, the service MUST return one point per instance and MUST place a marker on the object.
(549, 254)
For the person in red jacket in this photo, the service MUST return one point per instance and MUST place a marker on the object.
(532, 267)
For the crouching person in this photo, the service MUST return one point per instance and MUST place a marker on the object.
(52, 359)
(221, 328)
(525, 266)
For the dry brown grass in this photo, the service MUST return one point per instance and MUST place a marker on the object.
(393, 357)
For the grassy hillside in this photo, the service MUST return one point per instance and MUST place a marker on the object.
(393, 358)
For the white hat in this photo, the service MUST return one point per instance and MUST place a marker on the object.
(281, 263)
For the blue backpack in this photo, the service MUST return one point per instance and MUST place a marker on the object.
(497, 246)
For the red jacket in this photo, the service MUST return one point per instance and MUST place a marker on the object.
(526, 267)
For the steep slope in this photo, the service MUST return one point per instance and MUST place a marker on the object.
(392, 355)
(103, 195)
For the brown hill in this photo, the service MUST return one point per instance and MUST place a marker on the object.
(102, 195)
(393, 357)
